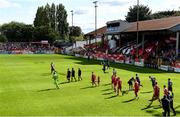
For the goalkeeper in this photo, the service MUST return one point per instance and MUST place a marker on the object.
(55, 78)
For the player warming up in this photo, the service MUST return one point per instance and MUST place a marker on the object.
(68, 75)
(73, 75)
(79, 74)
(119, 85)
(155, 95)
(130, 83)
(136, 88)
(55, 78)
(52, 67)
(98, 80)
(113, 77)
(93, 79)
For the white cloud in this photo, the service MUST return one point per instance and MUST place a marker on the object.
(83, 10)
(7, 4)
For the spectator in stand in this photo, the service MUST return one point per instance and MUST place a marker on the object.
(25, 47)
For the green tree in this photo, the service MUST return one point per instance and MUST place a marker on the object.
(53, 16)
(75, 33)
(3, 38)
(17, 32)
(163, 14)
(62, 24)
(44, 33)
(41, 18)
(144, 13)
(27, 33)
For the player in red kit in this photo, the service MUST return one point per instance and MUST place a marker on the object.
(155, 95)
(136, 88)
(166, 92)
(119, 85)
(93, 79)
(115, 84)
(113, 77)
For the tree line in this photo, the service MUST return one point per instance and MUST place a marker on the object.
(145, 13)
(50, 24)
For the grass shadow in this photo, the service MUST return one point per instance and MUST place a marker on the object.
(178, 112)
(154, 113)
(147, 107)
(146, 92)
(157, 107)
(125, 92)
(46, 90)
(106, 84)
(64, 82)
(89, 87)
(84, 61)
(63, 74)
(107, 93)
(127, 101)
(177, 107)
(45, 74)
(106, 89)
(111, 97)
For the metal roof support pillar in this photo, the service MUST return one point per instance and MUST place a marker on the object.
(143, 43)
(119, 39)
(177, 44)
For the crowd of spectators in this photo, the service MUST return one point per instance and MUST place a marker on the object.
(20, 48)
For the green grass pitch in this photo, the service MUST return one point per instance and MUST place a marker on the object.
(26, 88)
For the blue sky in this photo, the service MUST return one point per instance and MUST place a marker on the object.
(25, 10)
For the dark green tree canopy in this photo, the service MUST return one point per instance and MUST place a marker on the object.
(75, 31)
(55, 17)
(44, 33)
(17, 32)
(163, 14)
(3, 38)
(144, 13)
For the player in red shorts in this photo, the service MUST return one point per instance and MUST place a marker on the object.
(93, 79)
(115, 84)
(166, 92)
(112, 80)
(155, 95)
(136, 88)
(119, 85)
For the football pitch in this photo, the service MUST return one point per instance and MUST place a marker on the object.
(27, 89)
